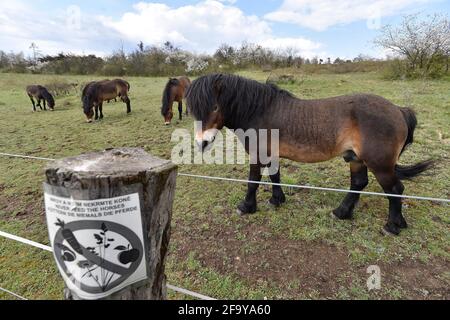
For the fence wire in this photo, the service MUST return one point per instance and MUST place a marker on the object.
(296, 186)
(13, 294)
(48, 248)
(182, 290)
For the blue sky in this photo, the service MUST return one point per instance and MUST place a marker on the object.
(324, 28)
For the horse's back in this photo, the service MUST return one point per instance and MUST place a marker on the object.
(358, 122)
(35, 90)
(375, 125)
(185, 81)
(110, 89)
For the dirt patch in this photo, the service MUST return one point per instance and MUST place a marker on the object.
(262, 257)
(419, 280)
(252, 253)
(18, 208)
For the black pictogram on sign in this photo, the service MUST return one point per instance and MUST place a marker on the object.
(97, 256)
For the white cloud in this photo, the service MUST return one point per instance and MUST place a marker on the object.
(21, 24)
(321, 14)
(304, 47)
(201, 27)
(228, 1)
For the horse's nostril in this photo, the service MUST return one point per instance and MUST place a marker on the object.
(167, 123)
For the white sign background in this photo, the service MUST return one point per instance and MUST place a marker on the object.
(105, 242)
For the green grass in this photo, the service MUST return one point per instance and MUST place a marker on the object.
(274, 253)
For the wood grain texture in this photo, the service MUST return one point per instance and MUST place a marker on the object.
(116, 172)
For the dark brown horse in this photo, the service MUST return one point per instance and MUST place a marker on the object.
(367, 130)
(174, 91)
(40, 93)
(95, 92)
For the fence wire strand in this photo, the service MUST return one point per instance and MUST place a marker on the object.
(297, 186)
(13, 294)
(182, 290)
(49, 249)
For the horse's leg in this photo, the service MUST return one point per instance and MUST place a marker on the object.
(39, 103)
(96, 111)
(44, 102)
(278, 196)
(359, 181)
(32, 101)
(249, 204)
(100, 107)
(128, 102)
(392, 184)
(180, 109)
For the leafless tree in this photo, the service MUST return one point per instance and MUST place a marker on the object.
(422, 42)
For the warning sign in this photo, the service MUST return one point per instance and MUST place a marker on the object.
(98, 244)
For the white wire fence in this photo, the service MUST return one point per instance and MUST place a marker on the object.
(49, 249)
(296, 186)
(205, 177)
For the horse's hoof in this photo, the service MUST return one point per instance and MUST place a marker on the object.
(277, 201)
(333, 216)
(390, 229)
(243, 208)
(240, 213)
(402, 223)
(341, 214)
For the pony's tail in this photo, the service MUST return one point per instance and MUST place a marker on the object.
(409, 172)
(411, 122)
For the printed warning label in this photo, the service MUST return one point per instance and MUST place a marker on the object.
(98, 244)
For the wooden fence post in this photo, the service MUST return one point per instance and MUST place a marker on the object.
(108, 216)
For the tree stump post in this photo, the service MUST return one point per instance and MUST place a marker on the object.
(94, 205)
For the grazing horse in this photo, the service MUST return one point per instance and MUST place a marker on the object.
(95, 92)
(174, 91)
(40, 94)
(367, 130)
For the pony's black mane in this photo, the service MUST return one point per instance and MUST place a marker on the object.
(47, 96)
(239, 99)
(89, 91)
(166, 95)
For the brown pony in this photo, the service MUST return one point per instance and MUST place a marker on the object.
(174, 91)
(367, 130)
(95, 92)
(40, 94)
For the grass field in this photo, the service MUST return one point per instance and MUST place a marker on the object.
(294, 252)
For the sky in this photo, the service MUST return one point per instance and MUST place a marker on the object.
(323, 28)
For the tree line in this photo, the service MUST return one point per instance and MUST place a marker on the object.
(421, 48)
(159, 61)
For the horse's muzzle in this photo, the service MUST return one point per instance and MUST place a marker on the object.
(202, 145)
